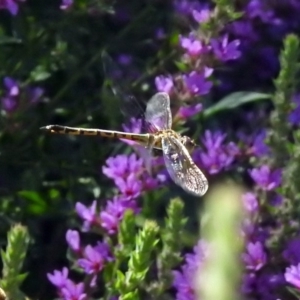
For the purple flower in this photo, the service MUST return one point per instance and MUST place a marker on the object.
(225, 51)
(184, 279)
(130, 187)
(111, 216)
(276, 200)
(59, 278)
(12, 87)
(164, 83)
(122, 165)
(73, 240)
(294, 117)
(244, 30)
(66, 4)
(255, 258)
(248, 283)
(265, 178)
(258, 9)
(268, 285)
(216, 155)
(9, 104)
(250, 202)
(186, 112)
(202, 16)
(125, 59)
(259, 147)
(10, 5)
(34, 94)
(88, 214)
(196, 82)
(73, 291)
(94, 258)
(160, 33)
(292, 275)
(186, 7)
(11, 99)
(192, 45)
(292, 253)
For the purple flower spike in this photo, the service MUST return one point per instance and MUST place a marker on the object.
(226, 51)
(265, 178)
(164, 83)
(59, 278)
(73, 240)
(255, 258)
(73, 291)
(292, 275)
(197, 84)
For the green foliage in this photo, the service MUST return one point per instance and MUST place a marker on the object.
(233, 101)
(285, 87)
(13, 258)
(128, 275)
(171, 238)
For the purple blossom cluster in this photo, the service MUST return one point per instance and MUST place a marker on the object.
(11, 5)
(17, 98)
(184, 279)
(90, 259)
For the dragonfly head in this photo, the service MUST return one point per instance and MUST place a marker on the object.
(188, 143)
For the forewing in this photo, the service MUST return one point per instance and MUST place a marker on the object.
(181, 167)
(158, 112)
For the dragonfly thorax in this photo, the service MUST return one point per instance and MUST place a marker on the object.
(155, 140)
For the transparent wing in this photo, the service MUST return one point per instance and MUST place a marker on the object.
(158, 112)
(181, 167)
(127, 103)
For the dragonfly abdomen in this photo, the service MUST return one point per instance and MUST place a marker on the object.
(58, 129)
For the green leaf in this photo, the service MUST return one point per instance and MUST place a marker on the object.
(130, 296)
(4, 40)
(36, 203)
(39, 73)
(235, 100)
(181, 66)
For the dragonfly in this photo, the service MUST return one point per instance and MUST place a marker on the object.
(178, 161)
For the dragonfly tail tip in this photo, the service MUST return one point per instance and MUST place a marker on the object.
(44, 128)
